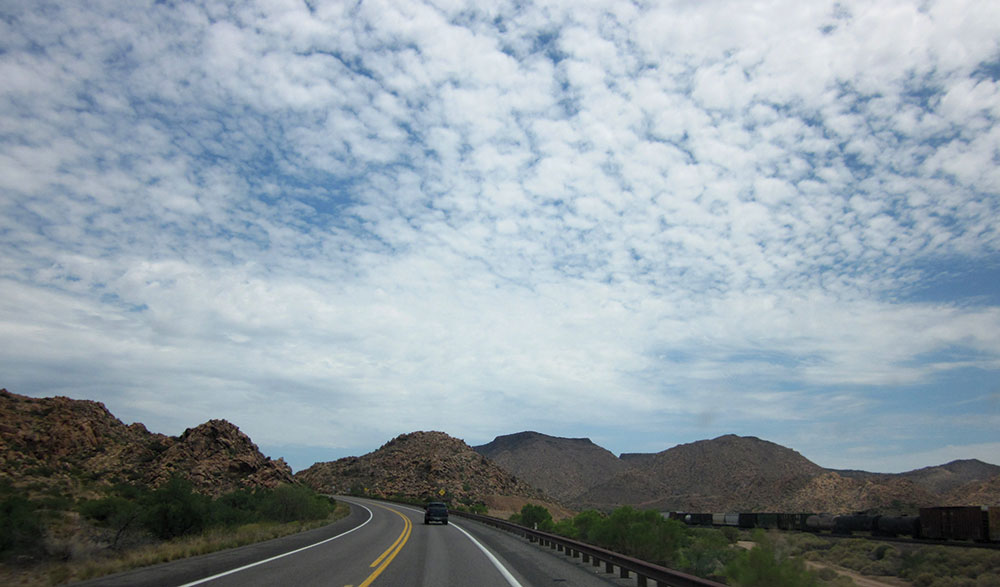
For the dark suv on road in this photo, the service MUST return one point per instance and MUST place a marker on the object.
(436, 512)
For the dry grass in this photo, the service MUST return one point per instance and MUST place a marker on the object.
(89, 563)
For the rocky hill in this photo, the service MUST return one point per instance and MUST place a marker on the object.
(562, 467)
(726, 473)
(981, 492)
(830, 492)
(733, 473)
(424, 466)
(945, 478)
(70, 446)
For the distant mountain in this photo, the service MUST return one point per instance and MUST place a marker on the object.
(949, 477)
(425, 466)
(562, 467)
(71, 446)
(728, 473)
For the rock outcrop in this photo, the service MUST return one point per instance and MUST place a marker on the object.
(71, 446)
(420, 465)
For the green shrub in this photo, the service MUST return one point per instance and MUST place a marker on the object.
(708, 553)
(175, 510)
(762, 566)
(534, 516)
(289, 503)
(21, 528)
(643, 534)
(236, 508)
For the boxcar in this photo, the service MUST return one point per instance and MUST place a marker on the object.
(767, 521)
(955, 523)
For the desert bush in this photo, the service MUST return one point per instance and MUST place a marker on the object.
(21, 527)
(763, 566)
(708, 553)
(731, 534)
(236, 508)
(116, 513)
(175, 510)
(643, 534)
(289, 503)
(943, 566)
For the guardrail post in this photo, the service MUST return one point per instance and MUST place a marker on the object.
(641, 580)
(597, 562)
(623, 572)
(586, 557)
(608, 567)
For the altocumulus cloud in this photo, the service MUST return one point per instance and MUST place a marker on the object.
(647, 223)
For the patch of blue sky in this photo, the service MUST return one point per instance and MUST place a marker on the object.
(988, 70)
(959, 281)
(114, 299)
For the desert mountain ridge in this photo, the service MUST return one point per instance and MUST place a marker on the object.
(731, 473)
(69, 446)
(425, 466)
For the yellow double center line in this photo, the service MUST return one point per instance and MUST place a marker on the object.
(383, 561)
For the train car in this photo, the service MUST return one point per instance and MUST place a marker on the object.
(851, 524)
(729, 519)
(791, 521)
(980, 524)
(698, 519)
(819, 522)
(892, 526)
(993, 519)
(955, 523)
(747, 520)
(767, 521)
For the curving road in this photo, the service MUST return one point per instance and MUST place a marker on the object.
(378, 544)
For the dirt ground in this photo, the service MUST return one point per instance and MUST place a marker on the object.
(503, 506)
(859, 579)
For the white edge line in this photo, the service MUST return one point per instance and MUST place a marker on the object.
(267, 560)
(496, 563)
(493, 559)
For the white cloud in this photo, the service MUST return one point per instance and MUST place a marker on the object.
(514, 211)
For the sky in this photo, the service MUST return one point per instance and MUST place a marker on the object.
(645, 223)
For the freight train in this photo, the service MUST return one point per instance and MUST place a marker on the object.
(975, 523)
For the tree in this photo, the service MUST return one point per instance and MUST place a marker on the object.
(761, 566)
(533, 516)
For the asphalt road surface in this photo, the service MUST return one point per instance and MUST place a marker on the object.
(378, 544)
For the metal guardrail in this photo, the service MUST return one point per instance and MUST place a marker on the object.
(595, 555)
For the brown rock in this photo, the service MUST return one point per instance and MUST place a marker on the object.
(420, 465)
(74, 446)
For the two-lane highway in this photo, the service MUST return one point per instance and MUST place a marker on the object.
(379, 544)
